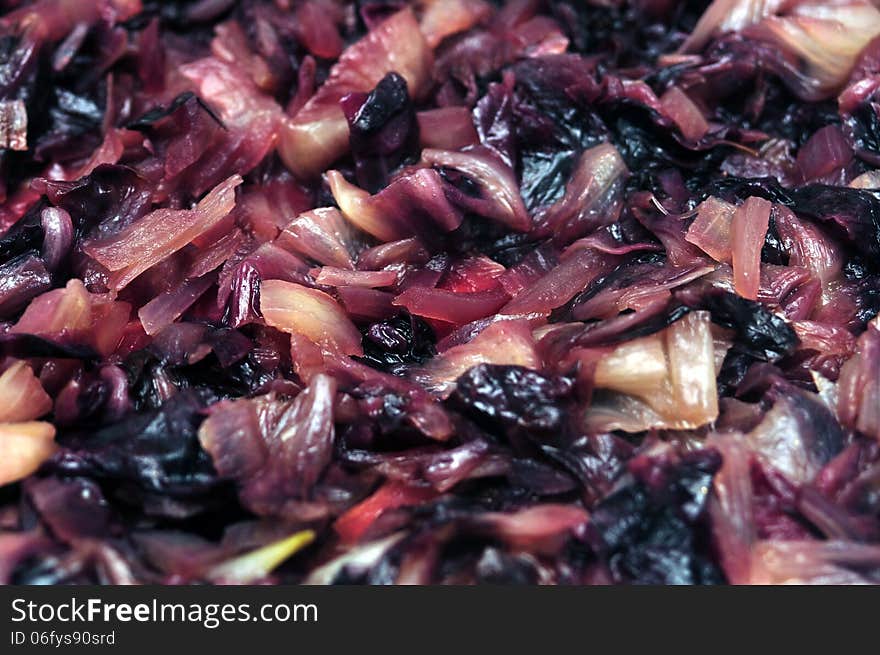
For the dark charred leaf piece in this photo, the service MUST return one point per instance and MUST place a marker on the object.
(551, 127)
(156, 450)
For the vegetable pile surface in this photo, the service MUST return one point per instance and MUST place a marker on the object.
(449, 291)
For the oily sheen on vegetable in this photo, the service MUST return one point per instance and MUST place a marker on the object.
(439, 292)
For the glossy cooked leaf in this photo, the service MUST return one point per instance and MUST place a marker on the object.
(440, 292)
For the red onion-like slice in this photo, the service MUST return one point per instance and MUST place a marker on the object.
(823, 153)
(367, 304)
(352, 525)
(532, 268)
(321, 234)
(809, 246)
(275, 449)
(731, 507)
(544, 528)
(710, 231)
(748, 229)
(230, 45)
(497, 181)
(216, 254)
(74, 314)
(824, 41)
(858, 404)
(672, 371)
(592, 199)
(405, 251)
(636, 367)
(316, 30)
(812, 562)
(726, 16)
(56, 18)
(334, 277)
(60, 310)
(413, 204)
(443, 18)
(562, 283)
(455, 308)
(109, 324)
(251, 121)
(472, 274)
(109, 152)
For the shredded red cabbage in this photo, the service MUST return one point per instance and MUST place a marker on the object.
(440, 291)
